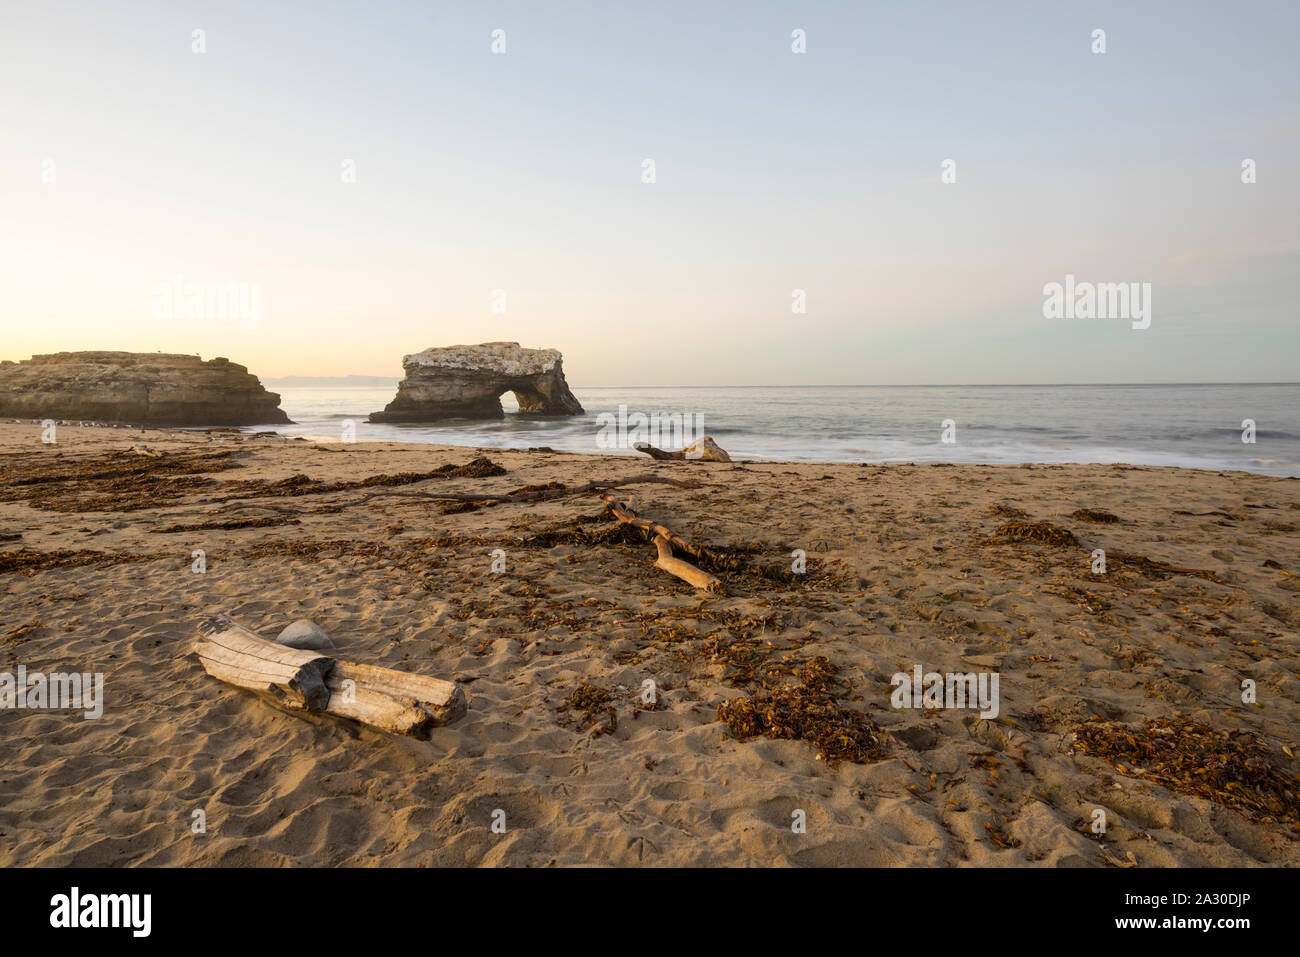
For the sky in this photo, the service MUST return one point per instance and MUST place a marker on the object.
(369, 175)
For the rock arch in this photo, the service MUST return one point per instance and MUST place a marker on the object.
(468, 382)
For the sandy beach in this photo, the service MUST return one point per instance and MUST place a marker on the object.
(1119, 691)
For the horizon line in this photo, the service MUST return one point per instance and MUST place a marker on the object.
(847, 385)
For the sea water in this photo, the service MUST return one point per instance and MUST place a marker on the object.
(1194, 426)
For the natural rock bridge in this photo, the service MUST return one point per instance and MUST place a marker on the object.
(468, 382)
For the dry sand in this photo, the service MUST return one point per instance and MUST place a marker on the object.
(901, 571)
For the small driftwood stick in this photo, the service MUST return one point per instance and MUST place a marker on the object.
(393, 701)
(664, 539)
(683, 569)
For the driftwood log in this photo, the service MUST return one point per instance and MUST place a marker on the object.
(393, 701)
(701, 450)
(664, 540)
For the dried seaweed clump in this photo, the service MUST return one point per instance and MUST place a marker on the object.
(28, 561)
(806, 712)
(305, 485)
(20, 633)
(1228, 767)
(475, 468)
(754, 662)
(120, 481)
(575, 532)
(226, 525)
(1008, 511)
(480, 467)
(594, 703)
(1044, 532)
(543, 487)
(107, 468)
(1158, 570)
(1094, 515)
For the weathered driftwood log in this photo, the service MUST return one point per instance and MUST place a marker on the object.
(237, 656)
(623, 512)
(664, 539)
(658, 454)
(683, 569)
(701, 450)
(392, 701)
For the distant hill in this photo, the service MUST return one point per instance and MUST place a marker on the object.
(325, 381)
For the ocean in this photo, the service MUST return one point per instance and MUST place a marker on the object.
(1194, 426)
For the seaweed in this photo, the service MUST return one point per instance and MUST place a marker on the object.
(305, 485)
(1230, 768)
(227, 525)
(1090, 601)
(748, 662)
(480, 467)
(120, 481)
(574, 533)
(999, 836)
(21, 633)
(1043, 532)
(544, 487)
(112, 466)
(806, 712)
(28, 561)
(594, 703)
(298, 484)
(1008, 511)
(1096, 516)
(1158, 570)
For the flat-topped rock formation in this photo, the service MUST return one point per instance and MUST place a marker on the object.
(139, 388)
(467, 382)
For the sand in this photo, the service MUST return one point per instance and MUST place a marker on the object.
(903, 570)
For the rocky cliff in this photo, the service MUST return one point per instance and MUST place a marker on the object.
(467, 382)
(139, 388)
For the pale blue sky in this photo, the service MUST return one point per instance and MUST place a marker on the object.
(775, 171)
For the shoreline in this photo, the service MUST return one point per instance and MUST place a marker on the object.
(254, 431)
(956, 569)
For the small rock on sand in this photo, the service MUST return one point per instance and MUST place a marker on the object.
(305, 634)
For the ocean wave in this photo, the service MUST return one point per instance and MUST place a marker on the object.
(1171, 426)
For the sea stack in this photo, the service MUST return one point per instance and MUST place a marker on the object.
(455, 382)
(137, 388)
